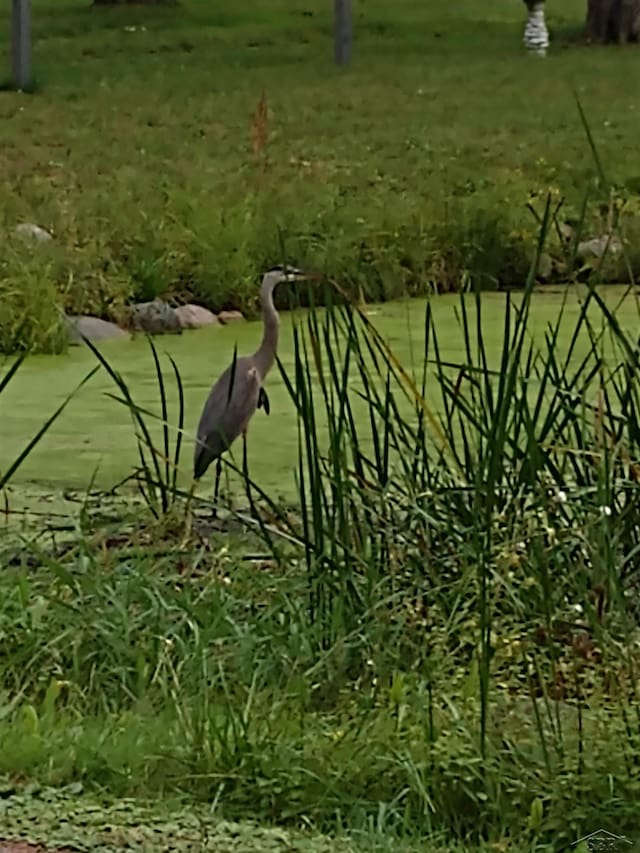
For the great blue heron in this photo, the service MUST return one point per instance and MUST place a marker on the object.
(239, 391)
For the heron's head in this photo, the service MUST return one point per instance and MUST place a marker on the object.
(286, 273)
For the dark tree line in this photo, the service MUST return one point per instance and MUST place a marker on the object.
(609, 20)
(613, 20)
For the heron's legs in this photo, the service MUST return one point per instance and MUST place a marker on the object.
(216, 491)
(245, 466)
(245, 472)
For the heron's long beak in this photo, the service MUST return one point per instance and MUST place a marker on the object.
(304, 276)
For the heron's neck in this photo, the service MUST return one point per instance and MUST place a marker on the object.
(266, 352)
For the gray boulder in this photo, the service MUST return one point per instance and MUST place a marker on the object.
(155, 318)
(230, 317)
(29, 231)
(195, 317)
(545, 266)
(597, 246)
(93, 328)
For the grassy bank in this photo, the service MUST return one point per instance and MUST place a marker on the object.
(410, 171)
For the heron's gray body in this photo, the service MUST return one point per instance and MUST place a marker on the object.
(227, 412)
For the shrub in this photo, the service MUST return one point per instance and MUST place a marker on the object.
(31, 317)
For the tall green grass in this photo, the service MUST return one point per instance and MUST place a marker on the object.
(157, 474)
(413, 656)
(441, 636)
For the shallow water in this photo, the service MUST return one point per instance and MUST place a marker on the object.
(94, 436)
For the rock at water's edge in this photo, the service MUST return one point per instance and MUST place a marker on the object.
(156, 318)
(230, 317)
(195, 317)
(93, 328)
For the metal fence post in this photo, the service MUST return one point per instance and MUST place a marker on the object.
(343, 31)
(21, 43)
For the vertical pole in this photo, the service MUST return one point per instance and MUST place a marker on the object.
(21, 43)
(536, 35)
(343, 31)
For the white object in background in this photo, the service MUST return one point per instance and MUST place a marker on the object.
(536, 35)
(29, 231)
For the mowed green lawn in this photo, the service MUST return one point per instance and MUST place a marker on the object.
(95, 432)
(438, 96)
(137, 151)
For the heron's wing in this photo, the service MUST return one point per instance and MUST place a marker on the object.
(226, 413)
(263, 401)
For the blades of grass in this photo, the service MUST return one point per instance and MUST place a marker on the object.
(511, 359)
(390, 357)
(6, 378)
(15, 465)
(488, 393)
(590, 139)
(164, 484)
(178, 447)
(133, 409)
(579, 231)
(308, 458)
(232, 375)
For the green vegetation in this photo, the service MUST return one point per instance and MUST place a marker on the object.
(57, 816)
(428, 637)
(436, 638)
(409, 172)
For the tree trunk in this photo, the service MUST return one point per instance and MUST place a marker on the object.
(613, 21)
(536, 35)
